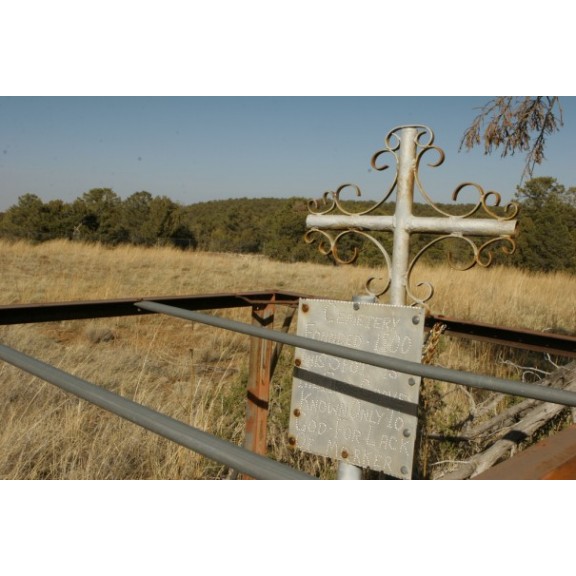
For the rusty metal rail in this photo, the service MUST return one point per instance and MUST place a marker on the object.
(555, 344)
(553, 458)
(83, 310)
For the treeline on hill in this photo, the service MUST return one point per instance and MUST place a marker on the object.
(275, 227)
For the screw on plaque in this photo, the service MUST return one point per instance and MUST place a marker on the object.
(415, 319)
(305, 307)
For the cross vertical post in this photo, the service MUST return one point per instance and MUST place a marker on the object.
(404, 202)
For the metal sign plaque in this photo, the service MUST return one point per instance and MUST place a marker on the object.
(349, 411)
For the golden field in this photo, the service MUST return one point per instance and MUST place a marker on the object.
(196, 373)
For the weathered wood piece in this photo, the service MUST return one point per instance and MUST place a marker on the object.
(513, 435)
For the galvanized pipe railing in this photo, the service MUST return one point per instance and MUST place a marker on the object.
(533, 391)
(197, 440)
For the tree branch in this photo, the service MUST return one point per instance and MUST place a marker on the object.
(517, 124)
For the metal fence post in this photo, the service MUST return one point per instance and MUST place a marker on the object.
(260, 374)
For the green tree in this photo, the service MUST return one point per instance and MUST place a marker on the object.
(35, 220)
(59, 219)
(21, 220)
(547, 238)
(285, 239)
(166, 224)
(98, 210)
(134, 215)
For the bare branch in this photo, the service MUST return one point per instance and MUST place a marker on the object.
(516, 124)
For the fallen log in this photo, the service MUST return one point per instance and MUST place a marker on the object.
(510, 437)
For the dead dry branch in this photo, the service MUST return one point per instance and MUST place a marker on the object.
(508, 437)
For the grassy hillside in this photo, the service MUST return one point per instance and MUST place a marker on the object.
(195, 373)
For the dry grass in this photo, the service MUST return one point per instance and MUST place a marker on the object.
(192, 372)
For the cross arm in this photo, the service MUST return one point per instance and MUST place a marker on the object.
(413, 224)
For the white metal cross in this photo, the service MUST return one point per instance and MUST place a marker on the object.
(408, 150)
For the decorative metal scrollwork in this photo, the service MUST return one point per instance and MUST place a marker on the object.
(480, 256)
(328, 245)
(339, 221)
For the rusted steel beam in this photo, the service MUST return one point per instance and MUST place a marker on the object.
(553, 458)
(81, 310)
(259, 377)
(264, 355)
(556, 344)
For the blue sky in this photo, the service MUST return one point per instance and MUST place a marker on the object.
(193, 149)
